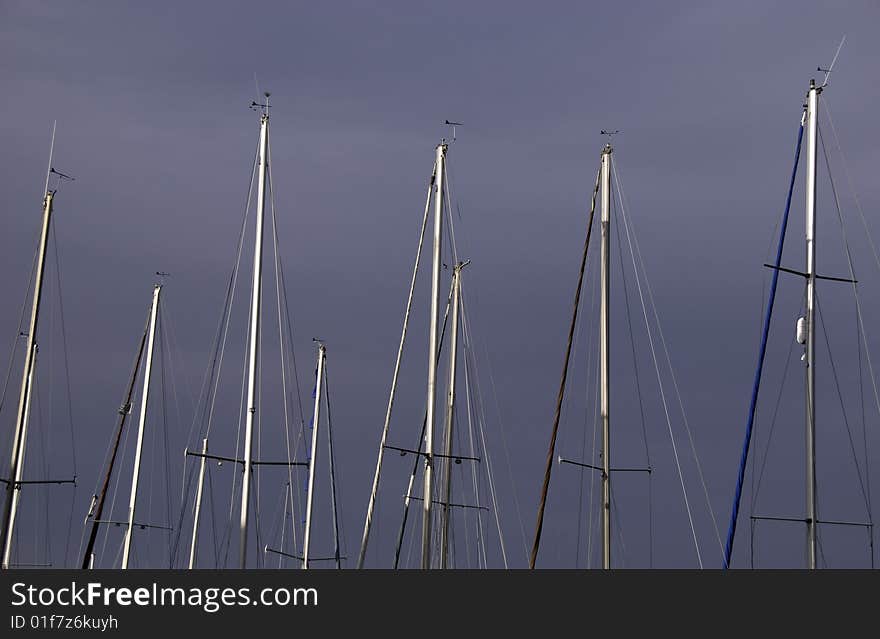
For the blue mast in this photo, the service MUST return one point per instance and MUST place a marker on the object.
(731, 531)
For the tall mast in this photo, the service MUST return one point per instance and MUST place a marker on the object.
(408, 494)
(307, 536)
(198, 508)
(812, 123)
(19, 471)
(254, 339)
(432, 362)
(375, 490)
(124, 412)
(126, 550)
(548, 467)
(604, 367)
(19, 439)
(450, 418)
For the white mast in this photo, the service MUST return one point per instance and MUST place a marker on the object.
(19, 471)
(375, 490)
(126, 551)
(254, 339)
(19, 438)
(450, 418)
(432, 359)
(812, 121)
(198, 509)
(604, 367)
(322, 354)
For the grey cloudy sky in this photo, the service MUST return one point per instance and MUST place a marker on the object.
(151, 103)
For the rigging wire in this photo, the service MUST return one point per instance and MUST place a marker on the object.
(334, 498)
(632, 344)
(174, 347)
(227, 540)
(864, 220)
(467, 331)
(622, 198)
(763, 465)
(564, 443)
(843, 408)
(216, 360)
(67, 393)
(215, 546)
(285, 517)
(615, 514)
(591, 351)
(481, 420)
(170, 342)
(593, 370)
(280, 506)
(550, 453)
(509, 465)
(292, 335)
(853, 278)
(468, 354)
(421, 440)
(672, 374)
(864, 427)
(471, 412)
(165, 360)
(20, 326)
(851, 268)
(623, 216)
(481, 559)
(453, 553)
(282, 351)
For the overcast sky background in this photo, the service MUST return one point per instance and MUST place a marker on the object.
(151, 103)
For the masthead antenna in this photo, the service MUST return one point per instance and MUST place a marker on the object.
(828, 71)
(61, 175)
(609, 134)
(264, 107)
(453, 125)
(51, 151)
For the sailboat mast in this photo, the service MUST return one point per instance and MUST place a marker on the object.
(432, 361)
(604, 326)
(126, 550)
(198, 508)
(450, 418)
(124, 412)
(362, 555)
(19, 472)
(254, 339)
(19, 439)
(307, 536)
(812, 124)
